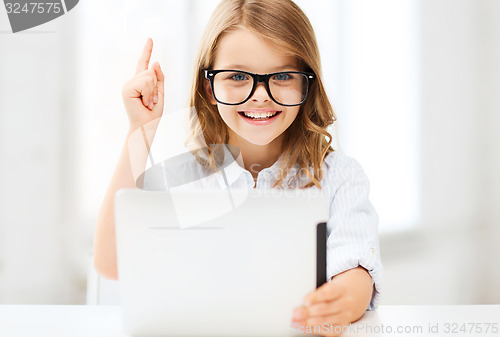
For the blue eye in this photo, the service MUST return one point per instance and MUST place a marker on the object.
(282, 76)
(238, 77)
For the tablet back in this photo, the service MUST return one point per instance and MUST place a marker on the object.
(242, 272)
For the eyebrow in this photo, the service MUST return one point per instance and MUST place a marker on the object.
(276, 69)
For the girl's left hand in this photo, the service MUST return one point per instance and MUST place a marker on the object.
(334, 305)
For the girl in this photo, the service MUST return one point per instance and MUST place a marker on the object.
(258, 87)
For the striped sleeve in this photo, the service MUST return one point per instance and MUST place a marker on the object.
(353, 223)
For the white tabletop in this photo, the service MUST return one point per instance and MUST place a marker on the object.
(97, 321)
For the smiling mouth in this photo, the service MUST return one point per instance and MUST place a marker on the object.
(259, 116)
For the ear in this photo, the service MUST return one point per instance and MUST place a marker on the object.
(208, 92)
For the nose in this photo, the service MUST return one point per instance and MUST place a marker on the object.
(260, 94)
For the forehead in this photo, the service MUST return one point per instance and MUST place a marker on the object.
(243, 49)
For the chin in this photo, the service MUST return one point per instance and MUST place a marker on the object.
(265, 140)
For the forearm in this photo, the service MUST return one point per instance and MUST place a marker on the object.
(358, 282)
(104, 238)
(131, 163)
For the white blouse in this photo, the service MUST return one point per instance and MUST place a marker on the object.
(352, 227)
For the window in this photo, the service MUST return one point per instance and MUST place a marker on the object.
(369, 52)
(378, 103)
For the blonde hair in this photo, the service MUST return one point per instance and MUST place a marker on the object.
(283, 23)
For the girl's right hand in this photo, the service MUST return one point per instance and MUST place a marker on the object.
(143, 95)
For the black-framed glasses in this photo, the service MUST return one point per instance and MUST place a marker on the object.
(233, 87)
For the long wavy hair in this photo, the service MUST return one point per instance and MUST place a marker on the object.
(307, 141)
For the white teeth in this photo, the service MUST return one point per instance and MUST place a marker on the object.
(259, 115)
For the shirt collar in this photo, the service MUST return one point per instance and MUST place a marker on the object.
(233, 171)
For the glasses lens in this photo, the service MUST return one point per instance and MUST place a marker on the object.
(232, 87)
(287, 88)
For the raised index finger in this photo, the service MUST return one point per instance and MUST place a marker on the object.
(143, 62)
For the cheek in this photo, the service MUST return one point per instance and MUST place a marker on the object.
(227, 113)
(293, 114)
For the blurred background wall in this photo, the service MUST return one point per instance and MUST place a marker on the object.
(414, 84)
